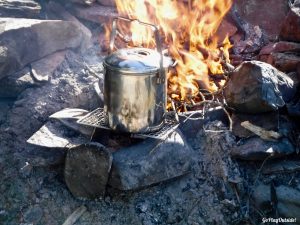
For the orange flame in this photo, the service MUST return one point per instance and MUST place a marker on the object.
(188, 28)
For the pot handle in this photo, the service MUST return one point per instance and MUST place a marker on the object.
(161, 74)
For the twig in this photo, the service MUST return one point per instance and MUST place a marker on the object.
(261, 132)
(174, 109)
(75, 215)
(260, 169)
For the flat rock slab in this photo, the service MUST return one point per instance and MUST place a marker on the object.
(150, 162)
(87, 169)
(19, 8)
(23, 41)
(55, 135)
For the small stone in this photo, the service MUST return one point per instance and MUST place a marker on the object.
(26, 169)
(33, 214)
(142, 207)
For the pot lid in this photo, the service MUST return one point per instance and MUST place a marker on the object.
(136, 60)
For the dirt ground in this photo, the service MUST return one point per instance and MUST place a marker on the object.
(217, 191)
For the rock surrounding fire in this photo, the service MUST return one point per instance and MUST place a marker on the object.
(188, 29)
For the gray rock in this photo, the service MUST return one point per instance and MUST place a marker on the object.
(87, 169)
(288, 200)
(150, 162)
(97, 13)
(17, 8)
(257, 87)
(257, 149)
(44, 157)
(12, 86)
(57, 11)
(43, 69)
(33, 214)
(23, 41)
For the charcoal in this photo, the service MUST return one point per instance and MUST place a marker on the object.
(87, 168)
(257, 87)
(150, 162)
(257, 149)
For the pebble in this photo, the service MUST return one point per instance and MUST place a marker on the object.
(33, 214)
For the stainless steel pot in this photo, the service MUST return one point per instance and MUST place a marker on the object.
(135, 86)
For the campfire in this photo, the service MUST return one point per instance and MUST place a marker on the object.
(151, 111)
(188, 32)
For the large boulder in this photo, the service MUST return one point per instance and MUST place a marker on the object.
(96, 13)
(257, 87)
(267, 14)
(18, 8)
(291, 27)
(23, 41)
(283, 55)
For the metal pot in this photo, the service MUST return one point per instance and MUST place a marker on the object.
(135, 88)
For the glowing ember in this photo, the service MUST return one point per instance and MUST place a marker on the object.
(188, 30)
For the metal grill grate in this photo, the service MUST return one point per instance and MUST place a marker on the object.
(98, 118)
